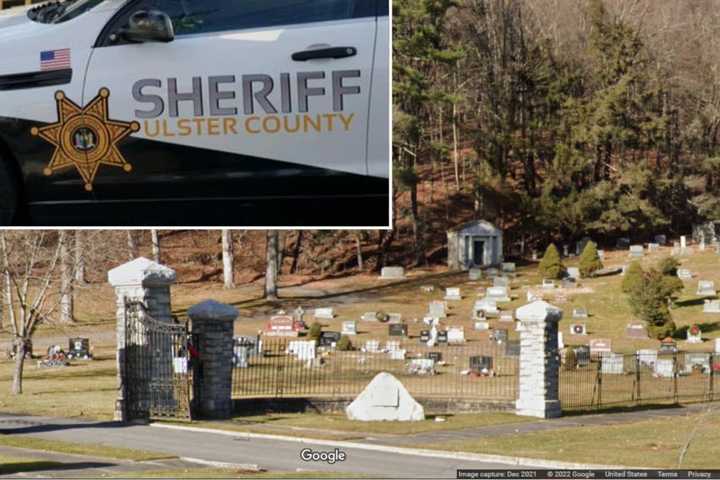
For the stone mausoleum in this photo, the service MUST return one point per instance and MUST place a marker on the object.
(474, 244)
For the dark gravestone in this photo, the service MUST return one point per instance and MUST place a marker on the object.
(512, 348)
(397, 330)
(79, 348)
(582, 356)
(424, 335)
(442, 337)
(437, 356)
(328, 338)
(500, 335)
(481, 364)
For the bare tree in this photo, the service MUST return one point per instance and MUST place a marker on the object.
(271, 265)
(29, 268)
(80, 257)
(133, 252)
(358, 248)
(67, 301)
(228, 256)
(155, 245)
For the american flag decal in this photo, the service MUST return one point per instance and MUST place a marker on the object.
(55, 59)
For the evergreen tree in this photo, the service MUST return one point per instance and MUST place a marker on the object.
(590, 260)
(633, 277)
(649, 300)
(551, 265)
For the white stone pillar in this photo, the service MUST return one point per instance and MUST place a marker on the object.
(539, 360)
(144, 281)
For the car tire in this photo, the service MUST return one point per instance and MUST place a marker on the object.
(8, 193)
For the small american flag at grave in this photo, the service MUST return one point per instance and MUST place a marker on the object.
(55, 60)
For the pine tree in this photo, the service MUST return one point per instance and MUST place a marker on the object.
(590, 260)
(551, 265)
(649, 300)
(633, 277)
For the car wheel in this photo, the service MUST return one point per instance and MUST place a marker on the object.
(8, 194)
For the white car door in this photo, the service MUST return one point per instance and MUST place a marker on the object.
(247, 89)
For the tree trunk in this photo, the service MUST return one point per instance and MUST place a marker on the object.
(80, 257)
(228, 259)
(66, 281)
(132, 245)
(155, 245)
(296, 252)
(358, 247)
(271, 266)
(19, 365)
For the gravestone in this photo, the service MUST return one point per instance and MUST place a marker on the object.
(442, 337)
(660, 239)
(329, 339)
(612, 363)
(369, 317)
(501, 282)
(492, 272)
(665, 367)
(326, 313)
(637, 251)
(372, 346)
(684, 274)
(548, 284)
(452, 293)
(385, 399)
(711, 306)
(573, 272)
(508, 267)
(302, 349)
(398, 354)
(582, 355)
(427, 288)
(392, 345)
(424, 336)
(421, 366)
(397, 330)
(474, 274)
(394, 318)
(455, 335)
(506, 317)
(282, 326)
(499, 335)
(706, 288)
(512, 348)
(578, 329)
(240, 356)
(349, 327)
(437, 309)
(481, 325)
(601, 254)
(299, 315)
(580, 312)
(695, 360)
(636, 330)
(694, 334)
(653, 247)
(717, 345)
(566, 250)
(392, 273)
(499, 294)
(667, 346)
(600, 346)
(683, 242)
(434, 356)
(534, 256)
(647, 357)
(481, 364)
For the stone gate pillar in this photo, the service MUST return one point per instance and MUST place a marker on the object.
(539, 360)
(212, 326)
(145, 281)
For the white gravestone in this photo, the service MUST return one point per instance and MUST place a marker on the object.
(499, 294)
(369, 317)
(372, 346)
(600, 346)
(486, 305)
(325, 313)
(482, 325)
(385, 399)
(501, 282)
(302, 349)
(601, 254)
(508, 267)
(437, 309)
(452, 293)
(548, 284)
(579, 312)
(398, 354)
(711, 306)
(612, 363)
(427, 288)
(684, 274)
(507, 317)
(474, 274)
(573, 272)
(349, 327)
(394, 317)
(561, 343)
(456, 335)
(706, 288)
(717, 345)
(664, 367)
(653, 247)
(647, 357)
(421, 366)
(637, 251)
(694, 336)
(392, 273)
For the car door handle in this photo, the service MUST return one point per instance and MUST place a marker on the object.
(331, 52)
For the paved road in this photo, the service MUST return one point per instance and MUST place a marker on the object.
(272, 455)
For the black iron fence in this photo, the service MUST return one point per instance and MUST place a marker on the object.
(281, 367)
(635, 379)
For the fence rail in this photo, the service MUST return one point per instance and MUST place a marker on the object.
(635, 379)
(272, 371)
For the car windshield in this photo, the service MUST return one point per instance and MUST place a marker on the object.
(58, 12)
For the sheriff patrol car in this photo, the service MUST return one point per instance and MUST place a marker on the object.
(195, 112)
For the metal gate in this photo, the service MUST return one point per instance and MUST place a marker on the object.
(158, 366)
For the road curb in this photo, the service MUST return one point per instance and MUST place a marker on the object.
(250, 467)
(478, 457)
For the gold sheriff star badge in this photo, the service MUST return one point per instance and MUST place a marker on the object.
(85, 137)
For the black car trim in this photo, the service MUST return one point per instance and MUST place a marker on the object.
(22, 81)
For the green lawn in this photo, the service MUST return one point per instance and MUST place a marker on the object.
(89, 449)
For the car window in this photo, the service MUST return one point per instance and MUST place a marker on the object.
(205, 16)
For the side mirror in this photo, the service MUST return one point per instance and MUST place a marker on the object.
(149, 26)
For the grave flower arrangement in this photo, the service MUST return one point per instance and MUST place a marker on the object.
(694, 330)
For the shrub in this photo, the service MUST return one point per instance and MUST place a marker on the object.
(633, 277)
(382, 317)
(551, 266)
(590, 260)
(668, 266)
(570, 359)
(315, 331)
(344, 344)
